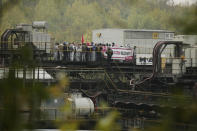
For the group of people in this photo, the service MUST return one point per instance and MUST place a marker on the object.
(75, 52)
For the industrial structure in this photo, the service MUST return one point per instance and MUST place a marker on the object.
(131, 37)
(127, 87)
(143, 40)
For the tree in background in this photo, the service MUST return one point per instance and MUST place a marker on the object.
(69, 19)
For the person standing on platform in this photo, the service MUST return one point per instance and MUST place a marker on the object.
(60, 51)
(78, 53)
(109, 53)
(84, 50)
(65, 52)
(89, 53)
(71, 50)
(56, 51)
(113, 44)
(99, 54)
(134, 55)
(93, 54)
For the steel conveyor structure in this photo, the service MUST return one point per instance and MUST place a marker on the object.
(126, 87)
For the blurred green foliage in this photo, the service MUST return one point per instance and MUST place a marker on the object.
(180, 114)
(109, 122)
(18, 96)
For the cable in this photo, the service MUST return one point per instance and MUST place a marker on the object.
(157, 51)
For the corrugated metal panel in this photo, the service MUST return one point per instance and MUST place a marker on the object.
(161, 35)
(33, 36)
(27, 27)
(48, 47)
(43, 38)
(143, 35)
(194, 57)
(169, 36)
(48, 38)
(27, 38)
(39, 36)
(188, 57)
(176, 66)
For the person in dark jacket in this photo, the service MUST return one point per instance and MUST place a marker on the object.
(99, 53)
(84, 51)
(65, 51)
(109, 53)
